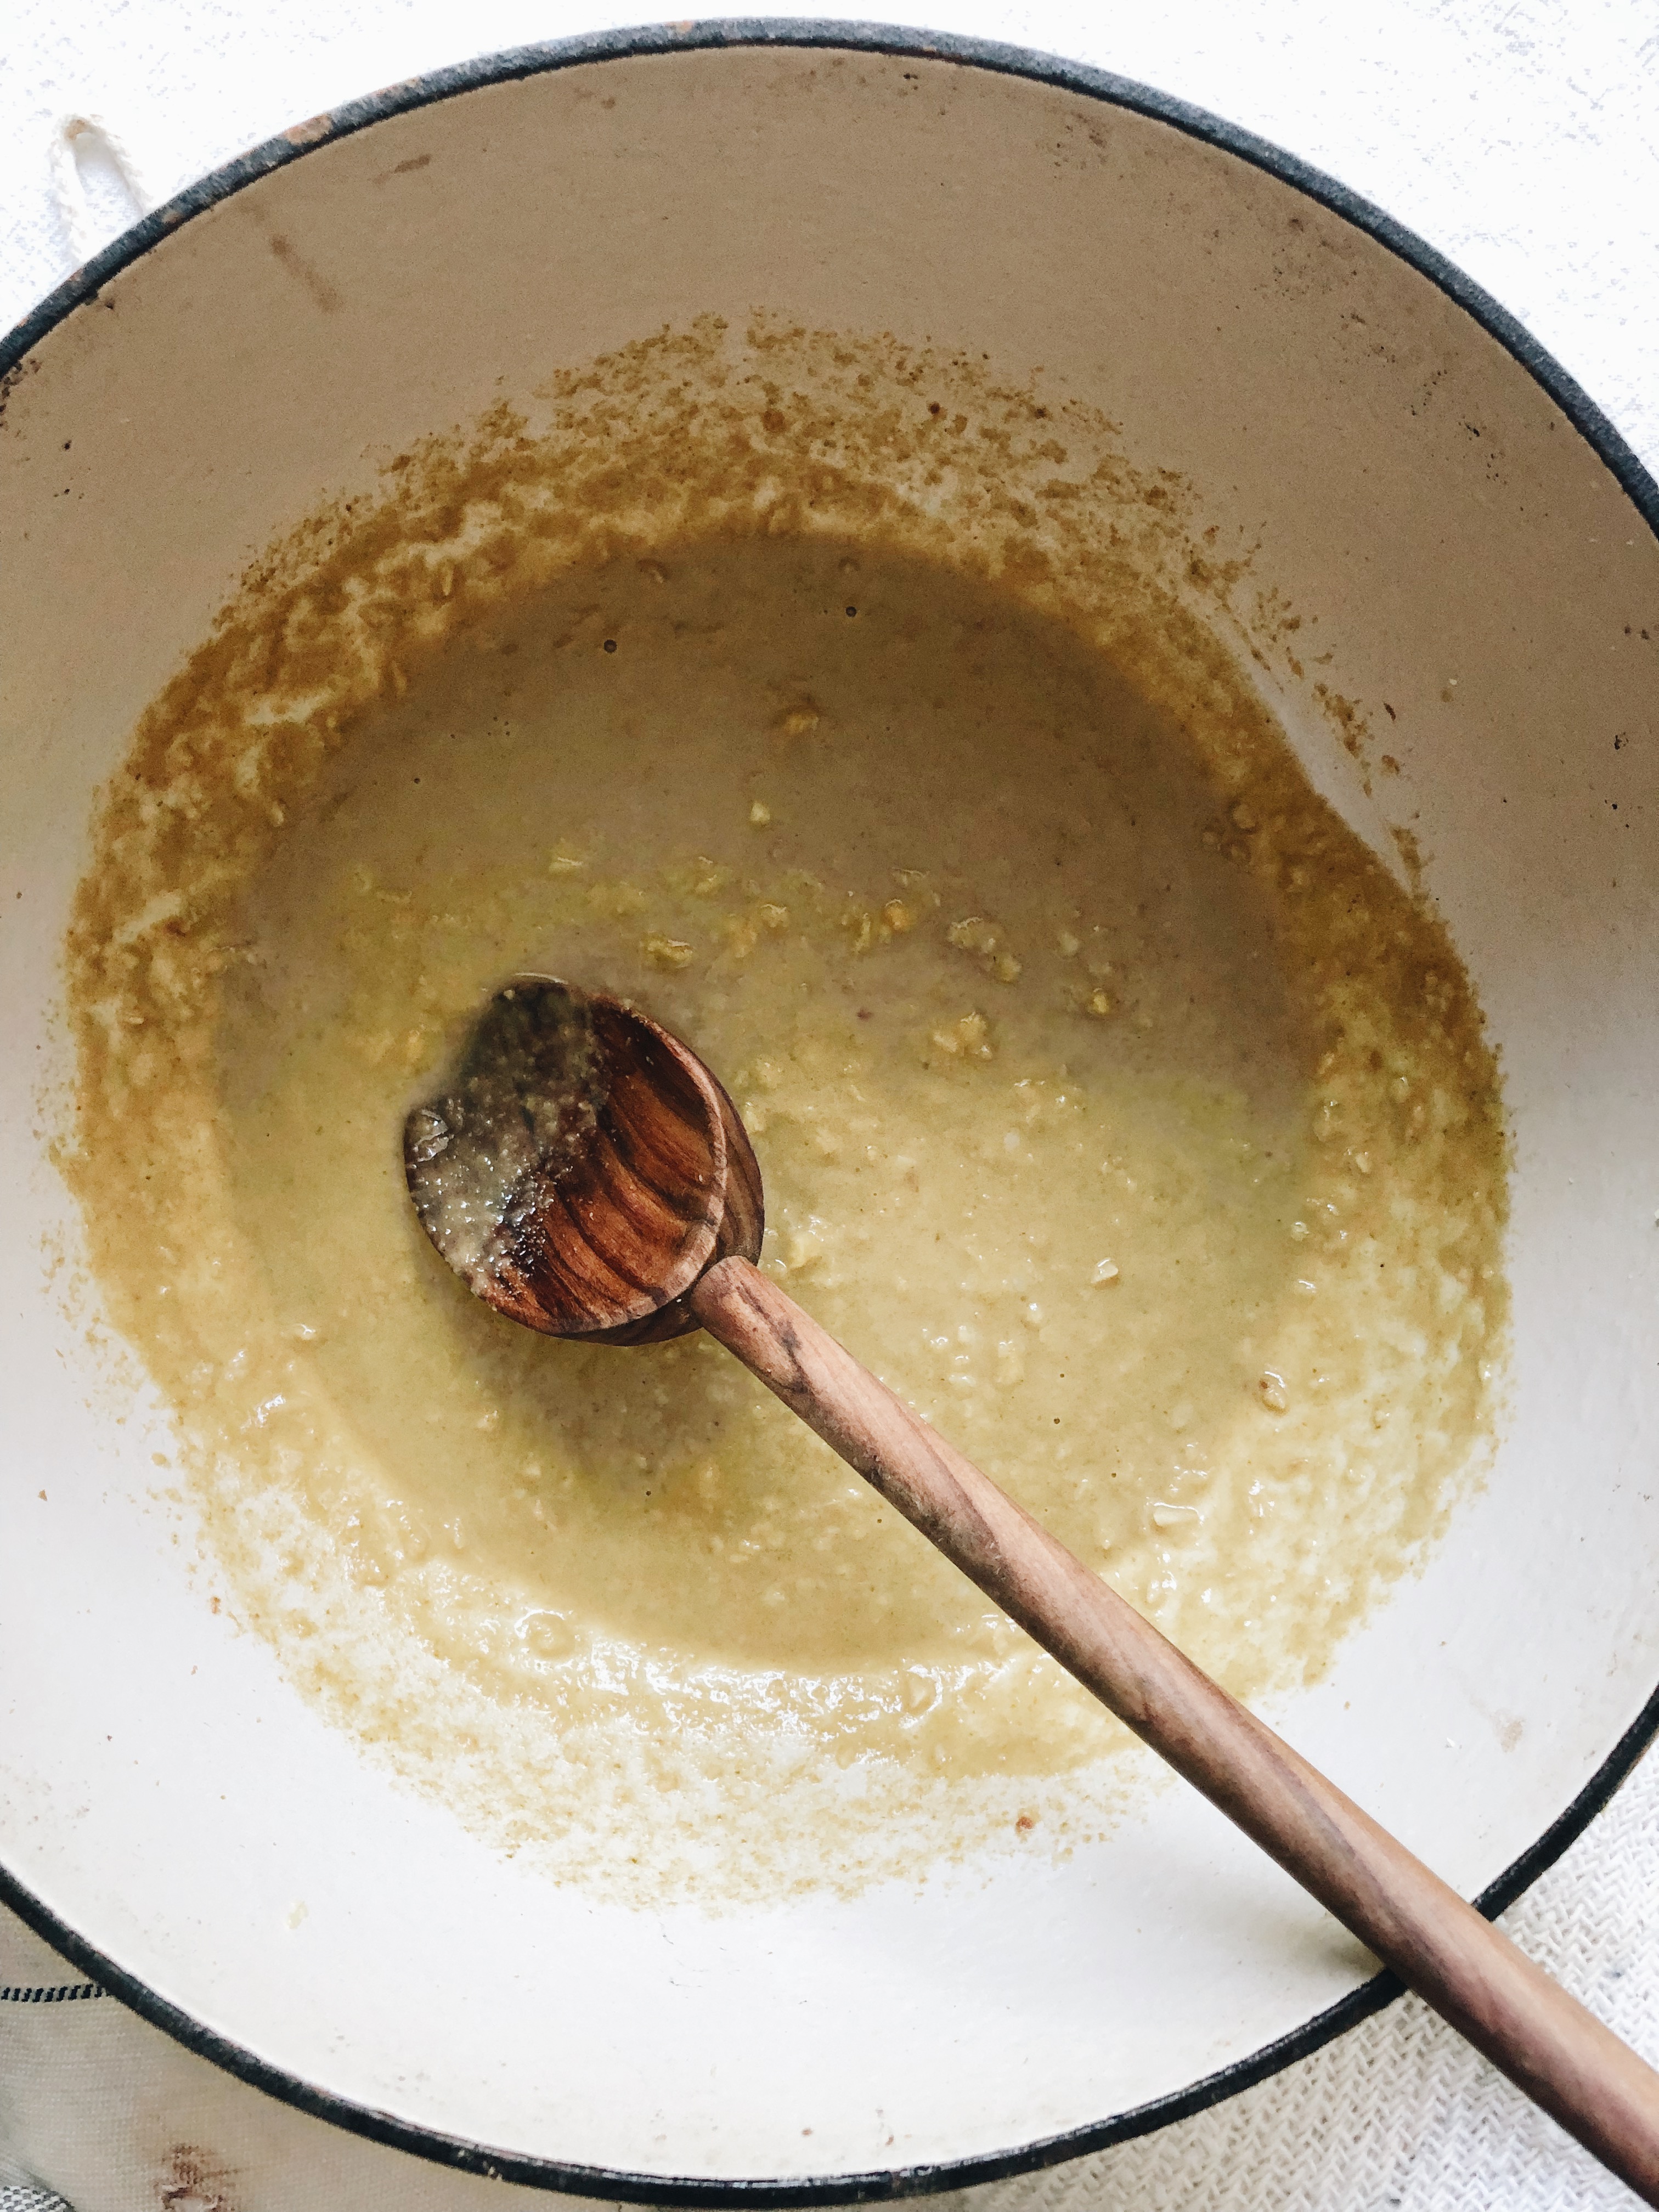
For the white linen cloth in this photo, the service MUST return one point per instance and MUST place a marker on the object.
(1517, 136)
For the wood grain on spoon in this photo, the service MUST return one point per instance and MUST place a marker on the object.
(642, 1217)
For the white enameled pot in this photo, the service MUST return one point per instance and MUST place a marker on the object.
(1474, 545)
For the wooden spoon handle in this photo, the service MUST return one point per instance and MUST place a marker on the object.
(1565, 2059)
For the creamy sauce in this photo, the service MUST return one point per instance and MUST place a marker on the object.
(1113, 1103)
(489, 1150)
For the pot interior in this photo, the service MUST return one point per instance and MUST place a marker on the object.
(1453, 608)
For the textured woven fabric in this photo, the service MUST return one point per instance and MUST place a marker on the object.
(1518, 139)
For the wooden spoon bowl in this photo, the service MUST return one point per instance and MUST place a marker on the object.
(634, 1173)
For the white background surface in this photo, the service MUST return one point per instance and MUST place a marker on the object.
(1519, 138)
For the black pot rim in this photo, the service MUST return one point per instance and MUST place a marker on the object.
(84, 286)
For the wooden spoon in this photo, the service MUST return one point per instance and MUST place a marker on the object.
(587, 1175)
